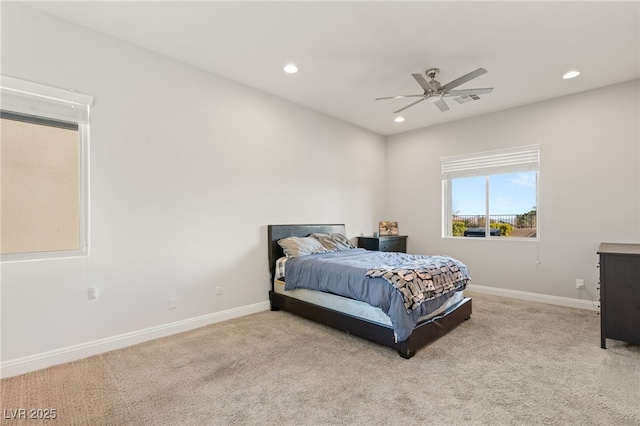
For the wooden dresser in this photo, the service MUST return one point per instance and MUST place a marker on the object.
(619, 292)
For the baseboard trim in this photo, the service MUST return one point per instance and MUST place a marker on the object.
(535, 297)
(42, 360)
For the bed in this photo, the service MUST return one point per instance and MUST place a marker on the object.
(329, 309)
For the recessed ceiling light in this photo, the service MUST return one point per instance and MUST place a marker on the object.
(398, 119)
(290, 69)
(571, 74)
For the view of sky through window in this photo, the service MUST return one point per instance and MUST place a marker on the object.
(513, 193)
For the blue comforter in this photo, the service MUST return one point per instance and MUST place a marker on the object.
(345, 273)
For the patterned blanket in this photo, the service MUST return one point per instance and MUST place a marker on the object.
(421, 278)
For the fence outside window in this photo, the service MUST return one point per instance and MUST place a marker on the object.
(511, 225)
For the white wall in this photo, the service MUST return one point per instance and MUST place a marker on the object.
(187, 169)
(589, 188)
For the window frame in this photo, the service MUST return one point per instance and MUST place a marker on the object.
(487, 164)
(48, 104)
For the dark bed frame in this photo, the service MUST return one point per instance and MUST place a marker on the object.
(424, 333)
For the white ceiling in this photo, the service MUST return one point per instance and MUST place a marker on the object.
(350, 53)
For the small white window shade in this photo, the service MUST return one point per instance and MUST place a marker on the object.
(54, 111)
(27, 97)
(514, 160)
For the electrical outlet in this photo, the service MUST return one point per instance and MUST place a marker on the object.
(172, 303)
(218, 291)
(92, 293)
(579, 283)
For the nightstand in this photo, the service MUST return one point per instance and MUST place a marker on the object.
(384, 243)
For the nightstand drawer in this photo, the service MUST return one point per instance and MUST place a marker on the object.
(393, 245)
(396, 243)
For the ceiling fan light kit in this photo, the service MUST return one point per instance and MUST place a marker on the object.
(434, 92)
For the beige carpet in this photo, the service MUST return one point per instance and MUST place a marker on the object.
(513, 363)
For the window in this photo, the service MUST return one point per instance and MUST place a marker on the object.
(43, 171)
(491, 194)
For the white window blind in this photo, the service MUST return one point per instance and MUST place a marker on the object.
(27, 97)
(513, 160)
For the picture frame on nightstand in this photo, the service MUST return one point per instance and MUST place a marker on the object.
(388, 227)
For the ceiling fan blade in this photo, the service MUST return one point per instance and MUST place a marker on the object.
(442, 105)
(410, 105)
(458, 81)
(464, 92)
(423, 83)
(399, 97)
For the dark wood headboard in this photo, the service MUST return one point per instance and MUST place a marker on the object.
(277, 232)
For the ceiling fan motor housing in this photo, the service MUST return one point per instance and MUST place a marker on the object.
(432, 73)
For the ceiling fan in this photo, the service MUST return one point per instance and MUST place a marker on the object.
(435, 93)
